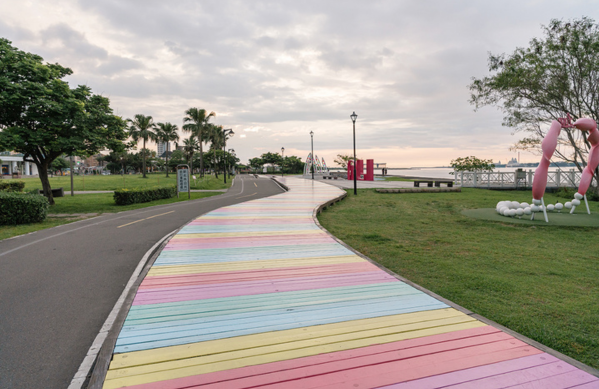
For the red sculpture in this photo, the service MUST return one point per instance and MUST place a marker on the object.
(369, 176)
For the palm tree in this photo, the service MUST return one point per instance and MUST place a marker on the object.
(190, 146)
(167, 132)
(142, 127)
(198, 123)
(215, 136)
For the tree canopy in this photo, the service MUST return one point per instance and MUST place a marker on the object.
(554, 75)
(472, 164)
(43, 118)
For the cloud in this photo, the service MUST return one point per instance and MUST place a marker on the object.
(276, 70)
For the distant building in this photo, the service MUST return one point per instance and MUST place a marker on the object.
(13, 163)
(161, 148)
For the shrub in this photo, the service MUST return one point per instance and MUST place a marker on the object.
(12, 186)
(134, 196)
(20, 208)
(568, 193)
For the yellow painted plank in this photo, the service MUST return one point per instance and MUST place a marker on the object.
(250, 265)
(247, 234)
(261, 355)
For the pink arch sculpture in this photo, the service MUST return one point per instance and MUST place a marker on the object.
(548, 147)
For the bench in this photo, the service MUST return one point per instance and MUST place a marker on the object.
(429, 183)
(58, 192)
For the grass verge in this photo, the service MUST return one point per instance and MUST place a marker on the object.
(541, 281)
(129, 181)
(73, 208)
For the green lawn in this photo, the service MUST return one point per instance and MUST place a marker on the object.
(89, 205)
(541, 281)
(130, 181)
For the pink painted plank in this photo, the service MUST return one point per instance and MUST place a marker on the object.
(413, 368)
(281, 366)
(475, 373)
(273, 235)
(151, 296)
(257, 242)
(562, 381)
(588, 385)
(215, 222)
(251, 275)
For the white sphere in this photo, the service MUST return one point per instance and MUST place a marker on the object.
(536, 202)
(512, 212)
(559, 206)
(515, 205)
(576, 202)
(550, 207)
(534, 208)
(568, 205)
(505, 211)
(578, 196)
(519, 212)
(527, 211)
(524, 205)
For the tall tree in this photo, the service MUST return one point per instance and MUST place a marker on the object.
(190, 145)
(167, 132)
(43, 118)
(555, 75)
(198, 124)
(142, 127)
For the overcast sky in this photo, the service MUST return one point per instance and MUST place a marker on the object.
(274, 71)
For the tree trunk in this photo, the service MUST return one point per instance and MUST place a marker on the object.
(167, 160)
(144, 158)
(201, 155)
(43, 173)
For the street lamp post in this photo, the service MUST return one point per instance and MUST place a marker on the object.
(231, 152)
(225, 133)
(283, 159)
(312, 161)
(353, 117)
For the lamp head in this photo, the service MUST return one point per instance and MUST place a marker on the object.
(311, 133)
(353, 117)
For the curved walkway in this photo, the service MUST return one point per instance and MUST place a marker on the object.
(257, 295)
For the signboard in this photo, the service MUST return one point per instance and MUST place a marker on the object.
(183, 180)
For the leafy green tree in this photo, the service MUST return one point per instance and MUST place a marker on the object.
(43, 118)
(342, 160)
(293, 164)
(272, 158)
(554, 75)
(167, 132)
(191, 145)
(142, 127)
(198, 125)
(472, 164)
(177, 158)
(256, 163)
(59, 164)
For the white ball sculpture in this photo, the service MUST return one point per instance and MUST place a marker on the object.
(568, 205)
(535, 208)
(524, 205)
(519, 211)
(576, 202)
(536, 202)
(512, 212)
(578, 196)
(515, 205)
(559, 206)
(527, 211)
(550, 207)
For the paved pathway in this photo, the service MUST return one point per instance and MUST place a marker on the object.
(257, 295)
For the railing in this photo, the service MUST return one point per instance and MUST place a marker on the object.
(523, 179)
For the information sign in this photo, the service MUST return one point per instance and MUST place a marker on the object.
(183, 180)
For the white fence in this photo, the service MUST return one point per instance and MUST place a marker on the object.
(522, 179)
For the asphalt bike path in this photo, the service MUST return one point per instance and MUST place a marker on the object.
(57, 286)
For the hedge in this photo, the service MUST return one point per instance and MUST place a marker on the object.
(20, 208)
(134, 196)
(11, 186)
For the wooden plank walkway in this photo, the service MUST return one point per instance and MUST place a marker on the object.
(257, 295)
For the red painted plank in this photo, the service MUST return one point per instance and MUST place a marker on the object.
(251, 275)
(153, 296)
(340, 356)
(414, 367)
(476, 373)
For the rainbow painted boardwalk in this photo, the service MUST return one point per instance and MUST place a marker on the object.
(257, 295)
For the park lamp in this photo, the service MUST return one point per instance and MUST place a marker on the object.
(312, 148)
(353, 117)
(283, 159)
